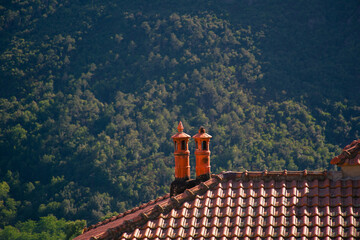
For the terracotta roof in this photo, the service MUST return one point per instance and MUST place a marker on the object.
(350, 155)
(247, 205)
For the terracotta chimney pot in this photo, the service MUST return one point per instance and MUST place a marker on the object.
(202, 154)
(181, 153)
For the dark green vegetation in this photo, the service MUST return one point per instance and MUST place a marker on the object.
(91, 92)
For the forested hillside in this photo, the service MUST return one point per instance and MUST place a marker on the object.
(91, 92)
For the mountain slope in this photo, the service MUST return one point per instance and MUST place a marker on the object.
(92, 92)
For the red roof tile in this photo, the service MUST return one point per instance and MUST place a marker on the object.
(246, 205)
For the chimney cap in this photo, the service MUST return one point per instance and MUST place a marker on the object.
(180, 133)
(180, 127)
(202, 134)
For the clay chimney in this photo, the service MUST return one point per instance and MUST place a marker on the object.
(181, 153)
(202, 154)
(349, 160)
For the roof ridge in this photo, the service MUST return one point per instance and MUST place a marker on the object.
(272, 174)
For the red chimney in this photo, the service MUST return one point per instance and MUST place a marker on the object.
(181, 153)
(202, 154)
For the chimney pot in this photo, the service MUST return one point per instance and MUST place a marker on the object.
(202, 154)
(181, 153)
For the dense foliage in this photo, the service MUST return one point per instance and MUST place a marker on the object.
(91, 92)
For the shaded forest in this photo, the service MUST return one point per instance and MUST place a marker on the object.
(92, 91)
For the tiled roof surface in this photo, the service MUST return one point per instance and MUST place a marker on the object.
(250, 205)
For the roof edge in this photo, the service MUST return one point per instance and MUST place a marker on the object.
(133, 210)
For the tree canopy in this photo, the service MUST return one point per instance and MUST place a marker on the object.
(91, 93)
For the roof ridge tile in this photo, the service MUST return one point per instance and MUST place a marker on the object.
(142, 206)
(204, 186)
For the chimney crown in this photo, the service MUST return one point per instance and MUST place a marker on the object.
(202, 134)
(180, 133)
